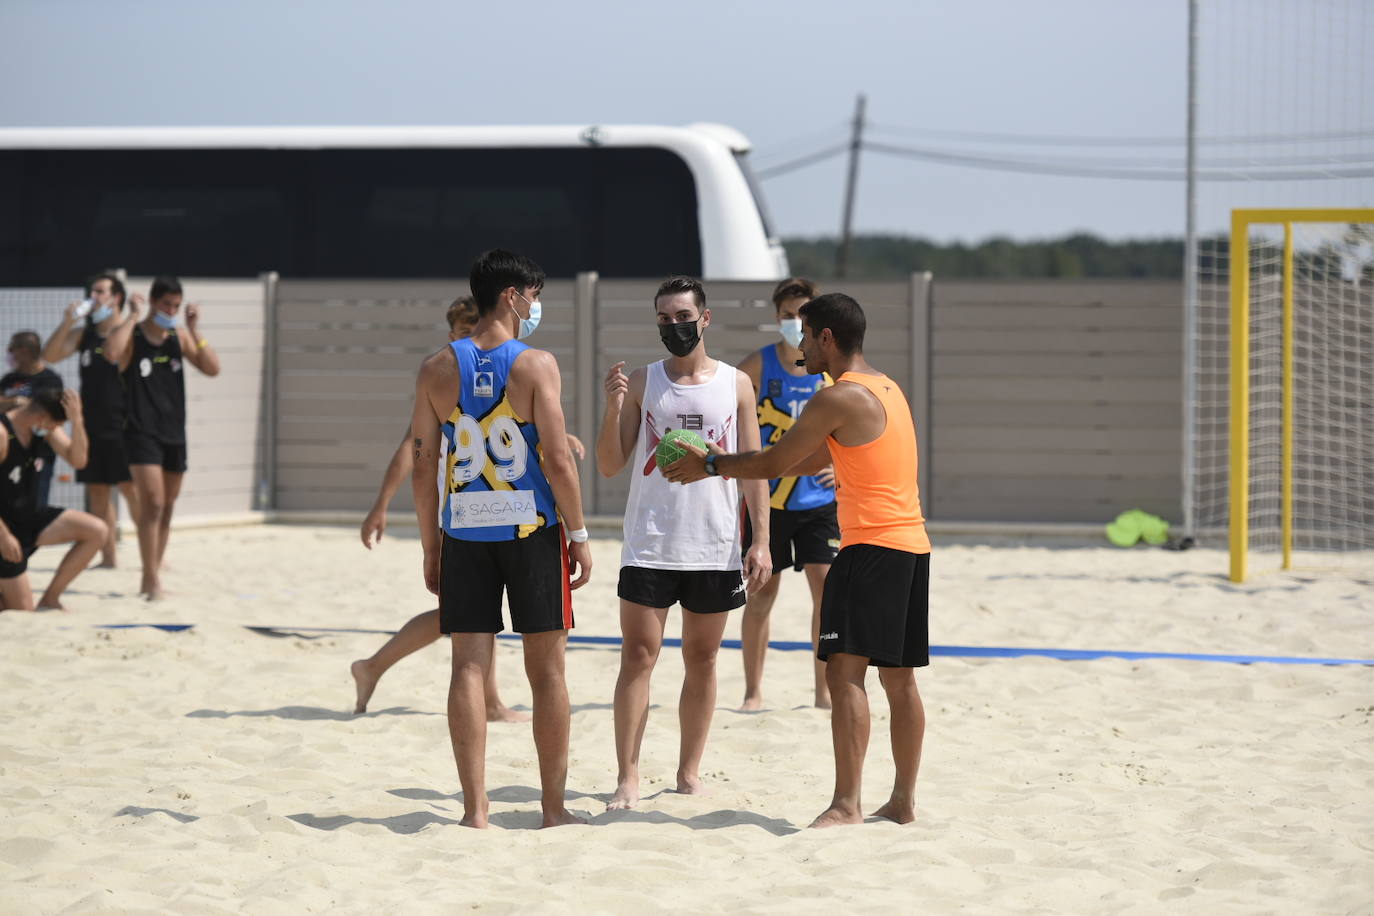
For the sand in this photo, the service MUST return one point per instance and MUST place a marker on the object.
(218, 770)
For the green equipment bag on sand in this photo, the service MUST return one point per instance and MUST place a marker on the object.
(1135, 525)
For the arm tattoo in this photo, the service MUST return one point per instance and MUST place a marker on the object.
(419, 444)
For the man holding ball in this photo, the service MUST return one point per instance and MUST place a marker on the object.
(873, 612)
(682, 546)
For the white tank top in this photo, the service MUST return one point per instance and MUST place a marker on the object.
(668, 525)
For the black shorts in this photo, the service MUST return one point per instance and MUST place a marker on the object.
(797, 537)
(532, 572)
(26, 529)
(106, 462)
(701, 591)
(142, 448)
(875, 605)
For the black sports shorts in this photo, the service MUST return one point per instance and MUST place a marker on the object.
(142, 448)
(701, 591)
(797, 537)
(532, 572)
(875, 605)
(106, 462)
(26, 529)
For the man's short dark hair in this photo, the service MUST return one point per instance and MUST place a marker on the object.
(164, 285)
(49, 400)
(462, 311)
(682, 284)
(28, 341)
(842, 315)
(794, 288)
(497, 270)
(116, 285)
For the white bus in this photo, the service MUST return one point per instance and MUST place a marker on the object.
(375, 202)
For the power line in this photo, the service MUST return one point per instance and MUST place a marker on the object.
(1363, 169)
(1068, 140)
(801, 162)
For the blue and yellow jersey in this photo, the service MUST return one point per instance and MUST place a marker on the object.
(782, 396)
(493, 486)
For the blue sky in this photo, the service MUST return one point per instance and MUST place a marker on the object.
(785, 73)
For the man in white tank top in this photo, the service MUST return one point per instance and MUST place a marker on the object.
(682, 544)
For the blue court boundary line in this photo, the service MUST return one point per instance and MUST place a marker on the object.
(947, 651)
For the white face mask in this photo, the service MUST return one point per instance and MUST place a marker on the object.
(791, 331)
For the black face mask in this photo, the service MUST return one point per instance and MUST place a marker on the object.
(681, 338)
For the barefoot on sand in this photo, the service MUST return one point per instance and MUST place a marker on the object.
(835, 817)
(560, 818)
(365, 682)
(691, 785)
(897, 812)
(626, 797)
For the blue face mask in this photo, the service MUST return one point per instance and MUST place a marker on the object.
(40, 432)
(791, 331)
(165, 321)
(528, 325)
(101, 313)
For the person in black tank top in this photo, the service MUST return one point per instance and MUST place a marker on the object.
(30, 374)
(25, 522)
(151, 354)
(85, 329)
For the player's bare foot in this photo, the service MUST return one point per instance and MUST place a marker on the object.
(151, 591)
(897, 811)
(691, 785)
(626, 796)
(364, 681)
(822, 701)
(506, 714)
(477, 820)
(752, 703)
(53, 605)
(836, 816)
(561, 817)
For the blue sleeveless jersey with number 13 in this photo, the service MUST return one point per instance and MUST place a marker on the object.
(493, 487)
(782, 396)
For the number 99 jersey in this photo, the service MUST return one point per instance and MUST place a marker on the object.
(493, 486)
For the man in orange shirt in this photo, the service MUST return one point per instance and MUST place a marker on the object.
(873, 611)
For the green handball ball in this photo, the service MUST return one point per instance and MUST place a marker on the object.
(671, 447)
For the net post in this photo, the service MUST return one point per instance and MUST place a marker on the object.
(1286, 429)
(1240, 392)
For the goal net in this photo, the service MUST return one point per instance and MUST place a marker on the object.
(1301, 389)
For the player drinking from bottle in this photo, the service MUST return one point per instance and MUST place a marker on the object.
(801, 521)
(681, 546)
(86, 327)
(873, 611)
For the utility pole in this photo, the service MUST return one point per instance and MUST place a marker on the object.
(847, 229)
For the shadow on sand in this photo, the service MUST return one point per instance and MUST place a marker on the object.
(306, 713)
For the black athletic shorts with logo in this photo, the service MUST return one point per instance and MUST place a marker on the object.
(142, 448)
(797, 537)
(701, 591)
(26, 529)
(875, 605)
(106, 462)
(532, 572)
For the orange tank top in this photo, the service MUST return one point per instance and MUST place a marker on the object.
(876, 492)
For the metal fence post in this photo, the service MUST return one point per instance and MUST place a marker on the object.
(267, 472)
(921, 298)
(584, 362)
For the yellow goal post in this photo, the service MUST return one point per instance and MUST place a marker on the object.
(1331, 291)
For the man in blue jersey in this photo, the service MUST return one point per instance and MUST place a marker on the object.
(803, 532)
(483, 405)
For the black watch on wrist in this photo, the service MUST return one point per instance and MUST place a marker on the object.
(711, 466)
